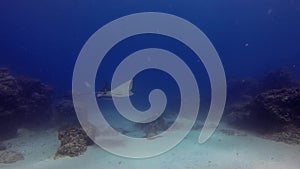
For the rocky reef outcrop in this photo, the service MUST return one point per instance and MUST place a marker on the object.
(74, 142)
(244, 90)
(282, 106)
(268, 110)
(34, 101)
(273, 111)
(23, 101)
(2, 146)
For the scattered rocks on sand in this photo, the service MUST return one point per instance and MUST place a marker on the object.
(74, 142)
(8, 157)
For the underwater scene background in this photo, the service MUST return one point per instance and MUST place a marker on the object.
(257, 42)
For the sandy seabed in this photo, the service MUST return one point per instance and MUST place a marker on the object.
(221, 151)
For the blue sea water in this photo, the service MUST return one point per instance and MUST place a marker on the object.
(43, 38)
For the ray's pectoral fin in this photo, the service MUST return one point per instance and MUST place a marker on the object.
(124, 90)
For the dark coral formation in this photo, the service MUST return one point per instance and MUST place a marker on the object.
(244, 90)
(279, 105)
(8, 157)
(9, 86)
(9, 91)
(74, 142)
(271, 108)
(274, 113)
(34, 103)
(23, 101)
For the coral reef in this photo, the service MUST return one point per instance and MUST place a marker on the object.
(74, 142)
(9, 86)
(271, 107)
(244, 90)
(8, 157)
(34, 101)
(23, 101)
(279, 105)
(9, 92)
(275, 114)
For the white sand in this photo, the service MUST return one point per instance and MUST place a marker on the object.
(220, 152)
